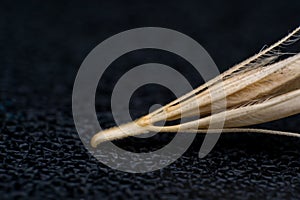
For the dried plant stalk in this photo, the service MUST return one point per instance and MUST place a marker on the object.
(254, 90)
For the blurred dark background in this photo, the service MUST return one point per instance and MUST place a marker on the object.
(42, 45)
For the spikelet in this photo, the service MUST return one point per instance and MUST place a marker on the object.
(254, 90)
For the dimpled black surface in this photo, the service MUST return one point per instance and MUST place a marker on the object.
(41, 156)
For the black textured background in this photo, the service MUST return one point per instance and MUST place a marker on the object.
(42, 45)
